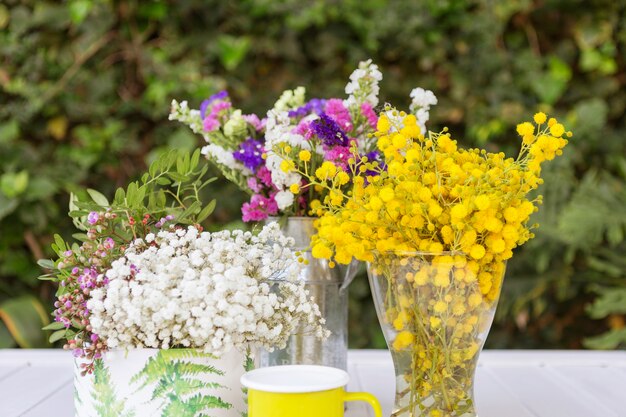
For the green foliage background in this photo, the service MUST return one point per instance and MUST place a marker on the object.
(85, 88)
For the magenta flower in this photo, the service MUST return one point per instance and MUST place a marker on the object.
(254, 185)
(338, 112)
(338, 155)
(210, 123)
(259, 208)
(370, 115)
(265, 176)
(254, 120)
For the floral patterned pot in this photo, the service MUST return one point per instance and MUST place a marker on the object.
(167, 383)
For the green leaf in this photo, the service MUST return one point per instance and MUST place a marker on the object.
(7, 206)
(610, 301)
(46, 263)
(56, 336)
(98, 197)
(195, 159)
(13, 184)
(206, 212)
(611, 340)
(232, 50)
(550, 85)
(120, 196)
(10, 130)
(79, 9)
(24, 317)
(55, 325)
(177, 177)
(6, 340)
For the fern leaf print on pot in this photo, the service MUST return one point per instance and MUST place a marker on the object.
(105, 400)
(183, 386)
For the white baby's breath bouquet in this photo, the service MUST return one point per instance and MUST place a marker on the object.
(211, 291)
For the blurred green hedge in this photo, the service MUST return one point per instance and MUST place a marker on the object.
(86, 87)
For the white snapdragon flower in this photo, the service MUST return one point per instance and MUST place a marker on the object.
(284, 199)
(211, 291)
(191, 117)
(223, 157)
(421, 100)
(290, 99)
(363, 86)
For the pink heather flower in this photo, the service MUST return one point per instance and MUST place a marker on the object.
(219, 106)
(108, 243)
(265, 176)
(210, 123)
(338, 112)
(339, 155)
(259, 208)
(254, 120)
(93, 217)
(254, 185)
(368, 112)
(303, 128)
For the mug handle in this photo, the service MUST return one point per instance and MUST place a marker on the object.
(368, 398)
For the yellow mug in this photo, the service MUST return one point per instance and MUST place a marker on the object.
(301, 391)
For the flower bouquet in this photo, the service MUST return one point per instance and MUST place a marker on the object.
(322, 133)
(436, 225)
(161, 315)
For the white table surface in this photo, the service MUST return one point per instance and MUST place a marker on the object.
(38, 383)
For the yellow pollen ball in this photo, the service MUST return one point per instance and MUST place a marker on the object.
(386, 194)
(540, 118)
(294, 188)
(440, 307)
(383, 124)
(477, 251)
(557, 130)
(482, 202)
(458, 211)
(305, 156)
(403, 340)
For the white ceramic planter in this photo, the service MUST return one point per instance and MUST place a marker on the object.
(166, 383)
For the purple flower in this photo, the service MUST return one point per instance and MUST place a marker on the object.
(93, 217)
(94, 337)
(250, 154)
(206, 103)
(329, 131)
(315, 105)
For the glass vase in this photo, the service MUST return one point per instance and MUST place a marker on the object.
(329, 288)
(435, 311)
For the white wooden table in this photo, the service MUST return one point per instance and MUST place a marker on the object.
(38, 383)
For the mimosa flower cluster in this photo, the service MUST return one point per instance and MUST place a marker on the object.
(437, 224)
(211, 291)
(431, 196)
(250, 151)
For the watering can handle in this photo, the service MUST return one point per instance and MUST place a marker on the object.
(351, 270)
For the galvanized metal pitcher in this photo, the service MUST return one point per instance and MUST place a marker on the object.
(329, 287)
